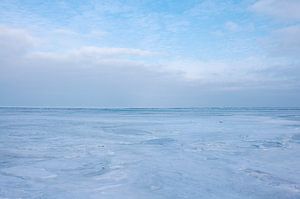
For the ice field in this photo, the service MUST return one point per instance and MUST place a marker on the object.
(214, 153)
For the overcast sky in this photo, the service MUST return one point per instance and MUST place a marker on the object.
(149, 53)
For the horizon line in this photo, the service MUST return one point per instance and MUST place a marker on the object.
(192, 107)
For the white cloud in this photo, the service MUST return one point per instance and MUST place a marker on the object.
(119, 61)
(284, 42)
(240, 72)
(208, 8)
(282, 9)
(15, 41)
(19, 42)
(88, 56)
(232, 26)
(91, 51)
(243, 72)
(63, 32)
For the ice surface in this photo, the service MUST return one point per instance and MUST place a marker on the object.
(150, 153)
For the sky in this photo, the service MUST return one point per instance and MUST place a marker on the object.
(149, 53)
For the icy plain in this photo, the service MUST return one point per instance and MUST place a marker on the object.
(214, 153)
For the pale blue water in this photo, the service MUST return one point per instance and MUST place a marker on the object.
(150, 153)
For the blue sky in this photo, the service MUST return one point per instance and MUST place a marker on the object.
(149, 53)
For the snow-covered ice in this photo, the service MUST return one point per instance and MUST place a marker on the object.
(150, 153)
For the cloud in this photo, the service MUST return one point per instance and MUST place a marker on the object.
(281, 9)
(232, 26)
(223, 74)
(15, 41)
(96, 51)
(284, 42)
(20, 45)
(93, 58)
(208, 8)
(92, 53)
(123, 76)
(242, 72)
(63, 32)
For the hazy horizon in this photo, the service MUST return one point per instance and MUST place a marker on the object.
(179, 107)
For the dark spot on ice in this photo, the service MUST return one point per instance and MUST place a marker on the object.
(265, 144)
(94, 170)
(255, 146)
(269, 144)
(160, 141)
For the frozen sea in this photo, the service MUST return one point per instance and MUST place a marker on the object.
(214, 153)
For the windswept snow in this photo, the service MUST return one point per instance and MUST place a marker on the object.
(150, 153)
